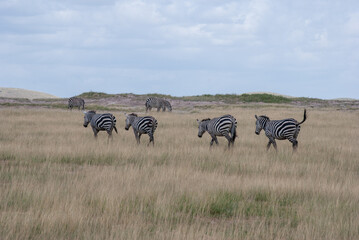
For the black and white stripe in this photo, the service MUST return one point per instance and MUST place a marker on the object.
(141, 125)
(157, 103)
(100, 122)
(76, 102)
(279, 129)
(222, 126)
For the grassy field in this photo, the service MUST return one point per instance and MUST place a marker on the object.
(58, 182)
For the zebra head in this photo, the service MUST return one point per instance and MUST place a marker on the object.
(129, 120)
(202, 126)
(260, 123)
(88, 116)
(168, 105)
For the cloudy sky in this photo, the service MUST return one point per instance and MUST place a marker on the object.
(306, 48)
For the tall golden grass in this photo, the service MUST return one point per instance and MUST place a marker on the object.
(58, 182)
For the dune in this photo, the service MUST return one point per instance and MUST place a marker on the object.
(23, 93)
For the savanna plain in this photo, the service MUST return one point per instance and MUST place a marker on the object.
(58, 182)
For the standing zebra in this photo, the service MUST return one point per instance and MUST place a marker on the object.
(157, 103)
(76, 102)
(221, 126)
(141, 125)
(100, 122)
(279, 129)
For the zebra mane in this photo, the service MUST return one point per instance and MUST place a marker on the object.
(263, 116)
(206, 119)
(133, 114)
(92, 111)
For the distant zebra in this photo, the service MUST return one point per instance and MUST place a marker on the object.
(221, 126)
(100, 122)
(141, 125)
(76, 102)
(279, 129)
(157, 103)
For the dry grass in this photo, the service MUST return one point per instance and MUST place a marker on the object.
(57, 182)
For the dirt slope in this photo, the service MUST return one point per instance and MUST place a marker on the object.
(23, 93)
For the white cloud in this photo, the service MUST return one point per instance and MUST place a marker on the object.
(163, 39)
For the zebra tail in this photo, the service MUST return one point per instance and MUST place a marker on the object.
(113, 123)
(154, 125)
(305, 117)
(233, 132)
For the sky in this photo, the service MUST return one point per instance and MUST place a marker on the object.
(307, 48)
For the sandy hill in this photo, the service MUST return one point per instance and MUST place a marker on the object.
(23, 93)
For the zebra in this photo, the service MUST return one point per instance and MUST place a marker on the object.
(157, 103)
(76, 102)
(280, 129)
(221, 126)
(100, 122)
(141, 125)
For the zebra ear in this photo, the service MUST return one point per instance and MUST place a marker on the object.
(256, 116)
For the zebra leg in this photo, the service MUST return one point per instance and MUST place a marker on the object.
(136, 136)
(95, 132)
(109, 136)
(152, 139)
(274, 145)
(139, 137)
(214, 138)
(268, 145)
(294, 144)
(158, 109)
(226, 135)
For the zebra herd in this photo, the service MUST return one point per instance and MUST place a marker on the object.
(224, 126)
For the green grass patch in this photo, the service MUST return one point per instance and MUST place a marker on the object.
(90, 160)
(234, 98)
(5, 156)
(95, 95)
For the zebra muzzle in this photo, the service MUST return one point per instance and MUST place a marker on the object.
(257, 133)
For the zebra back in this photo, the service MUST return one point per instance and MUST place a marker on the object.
(221, 125)
(105, 121)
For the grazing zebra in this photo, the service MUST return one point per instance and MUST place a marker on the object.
(157, 103)
(141, 125)
(280, 129)
(221, 126)
(76, 102)
(100, 122)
